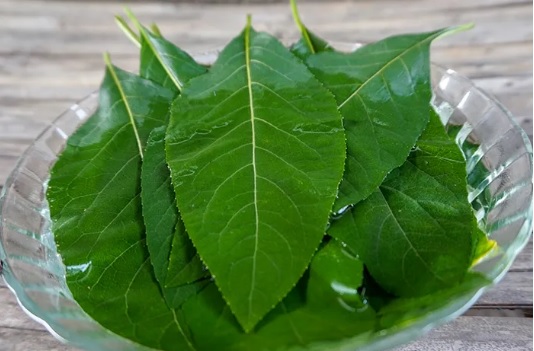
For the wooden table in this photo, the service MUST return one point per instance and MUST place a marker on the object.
(51, 56)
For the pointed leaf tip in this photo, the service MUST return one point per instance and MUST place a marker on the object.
(155, 29)
(295, 13)
(456, 29)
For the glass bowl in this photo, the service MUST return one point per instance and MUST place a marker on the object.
(499, 166)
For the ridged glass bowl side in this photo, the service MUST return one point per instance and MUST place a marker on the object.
(499, 165)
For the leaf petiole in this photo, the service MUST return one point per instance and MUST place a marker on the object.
(300, 25)
(130, 34)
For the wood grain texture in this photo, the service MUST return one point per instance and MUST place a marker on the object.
(477, 334)
(523, 262)
(29, 340)
(51, 56)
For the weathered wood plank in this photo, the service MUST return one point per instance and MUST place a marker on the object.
(12, 315)
(514, 290)
(65, 31)
(26, 340)
(523, 262)
(477, 333)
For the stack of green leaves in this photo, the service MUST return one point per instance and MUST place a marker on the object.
(280, 198)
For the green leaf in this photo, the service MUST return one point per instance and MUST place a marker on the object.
(162, 61)
(164, 227)
(155, 29)
(383, 92)
(309, 43)
(95, 206)
(332, 315)
(414, 234)
(170, 248)
(256, 152)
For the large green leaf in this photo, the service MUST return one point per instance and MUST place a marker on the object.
(256, 151)
(314, 313)
(383, 92)
(415, 233)
(164, 227)
(170, 248)
(309, 43)
(95, 206)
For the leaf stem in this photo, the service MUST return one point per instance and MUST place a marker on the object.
(130, 34)
(249, 24)
(300, 25)
(113, 73)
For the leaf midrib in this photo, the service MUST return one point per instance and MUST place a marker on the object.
(126, 104)
(255, 175)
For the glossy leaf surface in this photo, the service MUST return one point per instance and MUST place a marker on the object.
(383, 92)
(95, 205)
(295, 323)
(164, 227)
(415, 233)
(256, 152)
